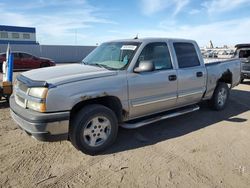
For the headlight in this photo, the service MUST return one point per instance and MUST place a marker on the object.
(38, 92)
(40, 107)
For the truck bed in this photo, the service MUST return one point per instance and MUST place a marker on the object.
(216, 69)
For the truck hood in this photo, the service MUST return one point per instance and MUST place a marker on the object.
(67, 73)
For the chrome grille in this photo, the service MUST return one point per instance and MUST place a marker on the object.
(20, 101)
(21, 93)
(246, 68)
(22, 86)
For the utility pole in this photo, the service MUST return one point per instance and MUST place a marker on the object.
(76, 37)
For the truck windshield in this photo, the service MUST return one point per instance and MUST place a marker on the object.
(112, 55)
(244, 53)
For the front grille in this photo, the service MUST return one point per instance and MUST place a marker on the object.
(20, 101)
(21, 93)
(22, 86)
(246, 67)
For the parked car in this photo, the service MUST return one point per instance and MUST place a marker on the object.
(210, 54)
(26, 61)
(243, 53)
(225, 54)
(128, 83)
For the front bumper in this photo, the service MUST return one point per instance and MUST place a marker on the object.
(42, 126)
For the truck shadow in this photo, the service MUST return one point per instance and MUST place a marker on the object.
(179, 126)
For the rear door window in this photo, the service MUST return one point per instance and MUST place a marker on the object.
(186, 55)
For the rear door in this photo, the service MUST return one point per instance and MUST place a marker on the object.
(152, 92)
(191, 74)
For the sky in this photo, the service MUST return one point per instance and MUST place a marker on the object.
(91, 22)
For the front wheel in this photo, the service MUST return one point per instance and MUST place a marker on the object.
(220, 96)
(93, 129)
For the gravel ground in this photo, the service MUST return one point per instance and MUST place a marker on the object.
(201, 149)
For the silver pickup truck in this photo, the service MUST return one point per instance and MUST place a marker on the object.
(127, 83)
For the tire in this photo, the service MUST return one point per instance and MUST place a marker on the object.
(89, 127)
(242, 80)
(220, 97)
(44, 65)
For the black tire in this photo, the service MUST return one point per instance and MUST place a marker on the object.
(81, 122)
(242, 80)
(216, 102)
(44, 65)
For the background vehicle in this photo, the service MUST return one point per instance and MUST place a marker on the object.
(24, 61)
(128, 83)
(210, 54)
(243, 52)
(225, 54)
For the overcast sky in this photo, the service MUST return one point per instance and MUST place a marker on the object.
(87, 22)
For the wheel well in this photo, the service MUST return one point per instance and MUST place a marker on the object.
(110, 102)
(226, 77)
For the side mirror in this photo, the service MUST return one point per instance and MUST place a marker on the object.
(145, 66)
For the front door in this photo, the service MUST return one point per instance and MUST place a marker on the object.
(156, 91)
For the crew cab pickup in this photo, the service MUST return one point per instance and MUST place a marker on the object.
(128, 83)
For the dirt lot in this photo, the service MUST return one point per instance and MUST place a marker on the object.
(201, 149)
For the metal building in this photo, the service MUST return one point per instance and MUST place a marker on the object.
(17, 35)
(59, 53)
(24, 39)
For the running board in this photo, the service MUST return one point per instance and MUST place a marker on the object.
(167, 115)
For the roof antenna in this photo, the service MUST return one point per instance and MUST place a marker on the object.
(136, 37)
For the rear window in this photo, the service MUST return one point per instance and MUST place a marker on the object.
(186, 55)
(244, 53)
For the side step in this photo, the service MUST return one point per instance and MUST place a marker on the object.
(152, 119)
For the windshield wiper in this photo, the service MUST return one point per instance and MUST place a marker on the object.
(101, 65)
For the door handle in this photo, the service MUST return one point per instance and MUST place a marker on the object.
(199, 74)
(172, 77)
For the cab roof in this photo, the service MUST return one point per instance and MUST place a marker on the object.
(242, 46)
(151, 39)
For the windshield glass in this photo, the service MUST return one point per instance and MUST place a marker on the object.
(112, 55)
(244, 53)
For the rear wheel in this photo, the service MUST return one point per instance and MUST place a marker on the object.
(220, 97)
(93, 129)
